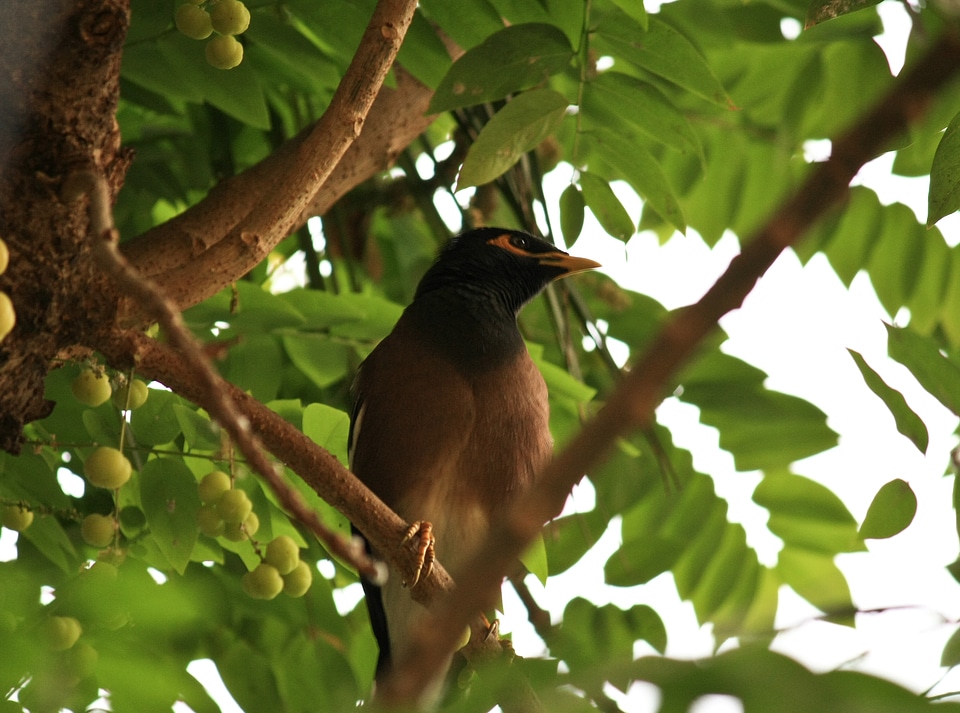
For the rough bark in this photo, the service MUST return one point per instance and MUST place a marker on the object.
(59, 85)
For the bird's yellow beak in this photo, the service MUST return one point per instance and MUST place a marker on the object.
(569, 263)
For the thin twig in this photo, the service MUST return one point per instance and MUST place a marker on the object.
(632, 405)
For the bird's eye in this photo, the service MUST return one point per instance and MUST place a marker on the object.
(519, 241)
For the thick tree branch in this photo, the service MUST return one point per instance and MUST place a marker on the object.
(632, 405)
(198, 252)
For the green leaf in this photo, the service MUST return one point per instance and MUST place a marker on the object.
(855, 238)
(895, 263)
(951, 651)
(663, 51)
(321, 359)
(568, 538)
(640, 169)
(602, 636)
(320, 309)
(806, 514)
(614, 97)
(822, 10)
(635, 9)
(571, 214)
(638, 561)
(327, 427)
(944, 195)
(48, 536)
(155, 423)
(816, 578)
(764, 430)
(517, 57)
(534, 558)
(517, 128)
(606, 207)
(236, 92)
(891, 511)
(908, 422)
(939, 375)
(256, 365)
(170, 501)
(199, 431)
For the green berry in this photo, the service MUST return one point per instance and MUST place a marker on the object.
(240, 531)
(209, 521)
(264, 582)
(193, 21)
(8, 316)
(213, 485)
(234, 506)
(107, 468)
(81, 660)
(91, 388)
(297, 582)
(224, 52)
(97, 530)
(283, 553)
(4, 256)
(138, 393)
(16, 518)
(61, 632)
(230, 17)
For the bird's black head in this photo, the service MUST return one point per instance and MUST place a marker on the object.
(497, 266)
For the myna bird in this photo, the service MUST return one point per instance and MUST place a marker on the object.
(450, 416)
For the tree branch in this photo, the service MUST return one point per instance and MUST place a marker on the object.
(632, 405)
(304, 177)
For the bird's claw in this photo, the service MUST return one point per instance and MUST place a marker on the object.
(426, 555)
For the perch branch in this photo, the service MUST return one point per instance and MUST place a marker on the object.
(632, 405)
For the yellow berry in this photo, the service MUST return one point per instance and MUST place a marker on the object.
(107, 468)
(138, 393)
(264, 582)
(213, 485)
(97, 530)
(8, 316)
(283, 553)
(193, 21)
(91, 388)
(209, 521)
(224, 52)
(4, 256)
(61, 632)
(297, 582)
(16, 518)
(234, 506)
(230, 17)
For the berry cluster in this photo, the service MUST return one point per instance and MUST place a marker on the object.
(198, 20)
(92, 388)
(227, 512)
(280, 571)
